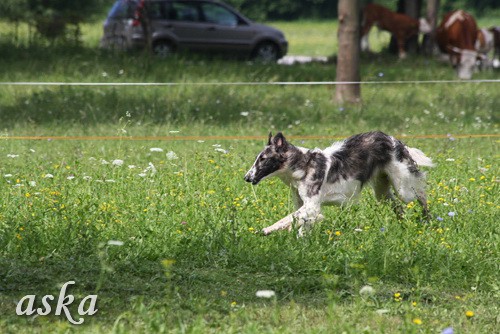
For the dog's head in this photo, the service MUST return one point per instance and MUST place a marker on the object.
(271, 160)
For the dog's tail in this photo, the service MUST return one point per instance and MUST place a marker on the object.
(419, 157)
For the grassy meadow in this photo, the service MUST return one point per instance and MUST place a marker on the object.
(163, 230)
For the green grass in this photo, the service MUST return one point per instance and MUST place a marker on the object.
(64, 200)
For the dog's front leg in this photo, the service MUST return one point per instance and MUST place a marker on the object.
(284, 223)
(307, 215)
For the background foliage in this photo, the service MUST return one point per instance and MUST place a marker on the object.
(52, 16)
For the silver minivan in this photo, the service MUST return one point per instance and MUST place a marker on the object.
(203, 25)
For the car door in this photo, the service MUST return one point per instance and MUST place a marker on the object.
(224, 29)
(184, 22)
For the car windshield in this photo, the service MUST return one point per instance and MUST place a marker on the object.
(123, 9)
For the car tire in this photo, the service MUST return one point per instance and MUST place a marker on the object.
(163, 49)
(266, 52)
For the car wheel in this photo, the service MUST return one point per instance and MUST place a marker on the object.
(266, 52)
(163, 48)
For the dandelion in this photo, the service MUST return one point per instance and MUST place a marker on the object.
(338, 233)
(469, 314)
(367, 290)
(233, 304)
(265, 294)
(472, 179)
(417, 321)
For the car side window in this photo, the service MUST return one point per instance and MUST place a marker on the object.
(214, 13)
(183, 11)
(156, 10)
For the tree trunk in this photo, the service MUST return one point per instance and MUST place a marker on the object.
(142, 14)
(348, 54)
(428, 43)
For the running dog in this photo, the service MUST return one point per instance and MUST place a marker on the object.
(337, 174)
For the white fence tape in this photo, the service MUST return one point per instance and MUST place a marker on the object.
(272, 83)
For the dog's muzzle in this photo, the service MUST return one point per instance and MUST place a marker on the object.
(250, 177)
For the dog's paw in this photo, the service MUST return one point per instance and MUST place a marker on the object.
(264, 232)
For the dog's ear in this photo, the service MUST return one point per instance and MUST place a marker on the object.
(270, 137)
(279, 141)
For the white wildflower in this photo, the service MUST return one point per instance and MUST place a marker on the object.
(151, 168)
(265, 293)
(32, 183)
(244, 113)
(117, 162)
(115, 243)
(221, 150)
(155, 149)
(48, 176)
(7, 175)
(71, 177)
(12, 156)
(171, 155)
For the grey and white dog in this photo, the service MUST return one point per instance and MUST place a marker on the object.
(337, 174)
